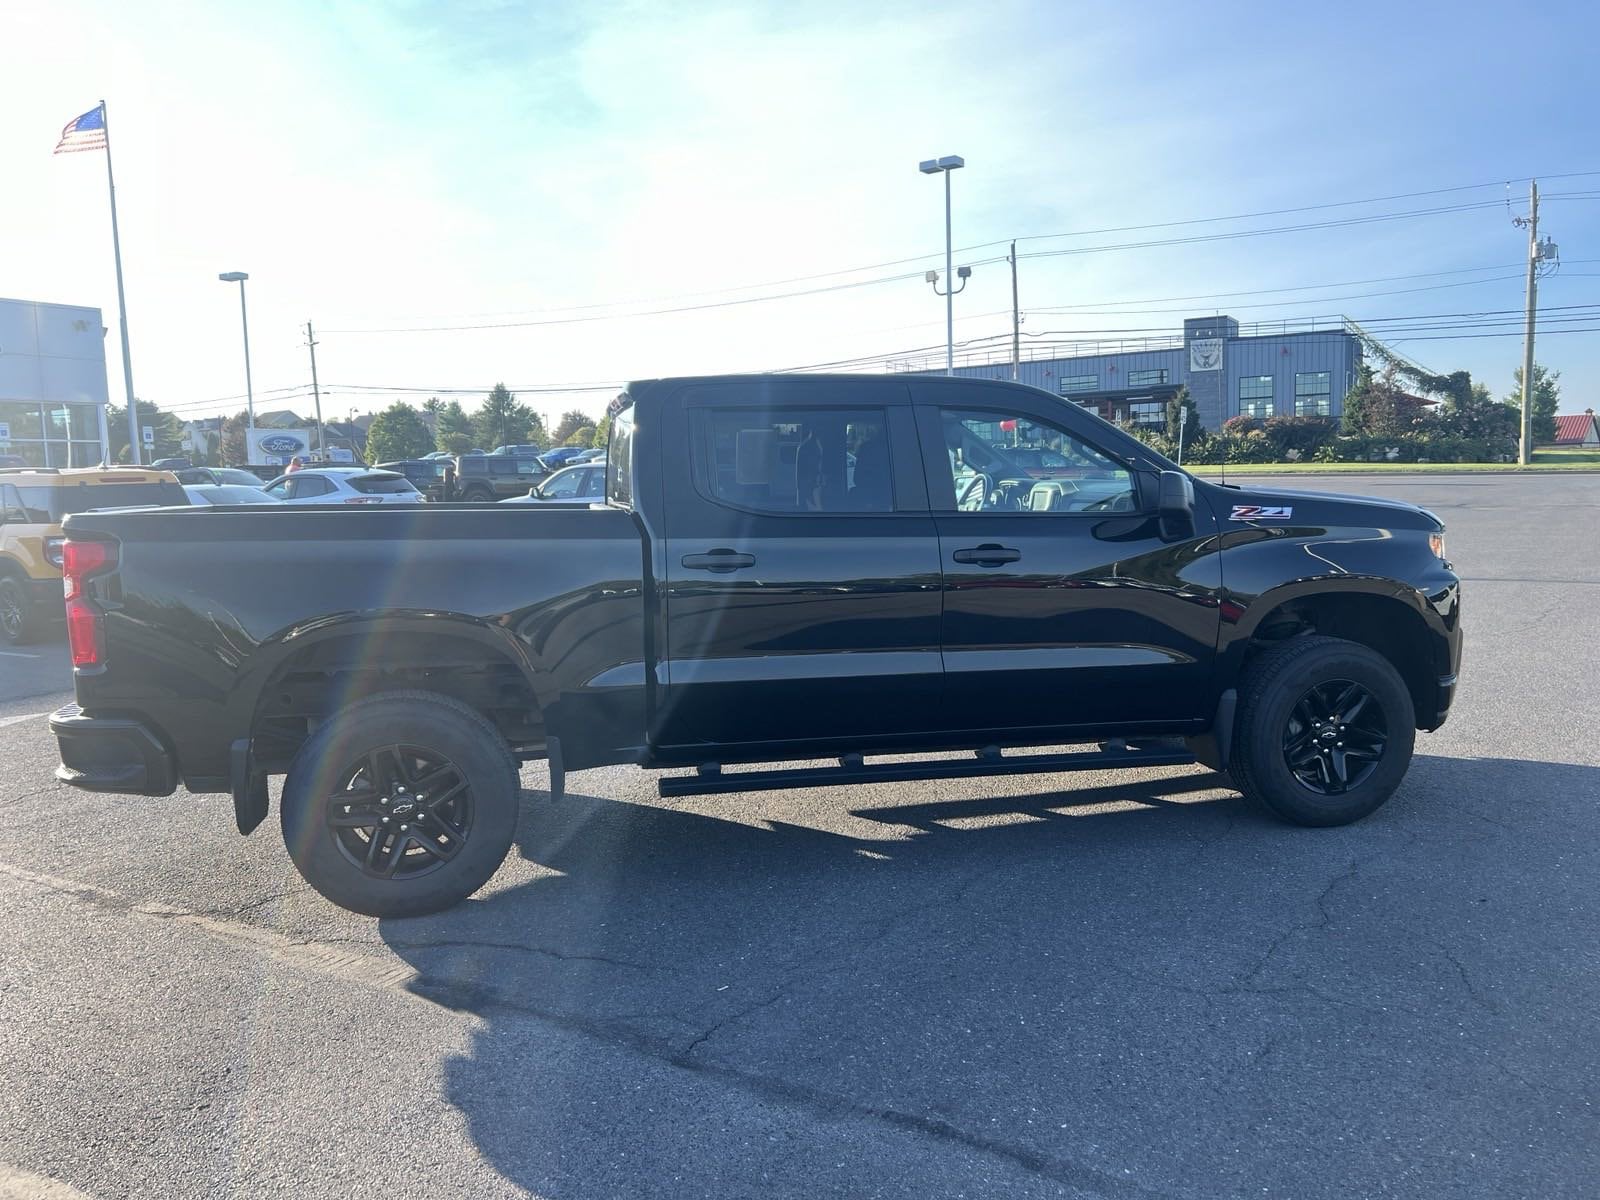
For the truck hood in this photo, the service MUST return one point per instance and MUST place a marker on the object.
(1333, 508)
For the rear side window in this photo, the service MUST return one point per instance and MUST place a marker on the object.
(50, 505)
(794, 460)
(619, 459)
(381, 485)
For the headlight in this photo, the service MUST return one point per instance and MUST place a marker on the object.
(1436, 544)
(52, 550)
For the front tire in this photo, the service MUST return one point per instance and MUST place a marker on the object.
(401, 805)
(19, 620)
(1324, 733)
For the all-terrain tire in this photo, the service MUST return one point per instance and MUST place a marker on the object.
(352, 782)
(1296, 756)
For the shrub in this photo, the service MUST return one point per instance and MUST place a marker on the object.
(1305, 434)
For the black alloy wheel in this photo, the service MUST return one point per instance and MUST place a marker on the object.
(13, 611)
(400, 812)
(1335, 737)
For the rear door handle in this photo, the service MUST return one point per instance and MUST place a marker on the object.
(987, 555)
(718, 560)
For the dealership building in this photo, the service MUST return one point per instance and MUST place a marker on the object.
(52, 384)
(1279, 369)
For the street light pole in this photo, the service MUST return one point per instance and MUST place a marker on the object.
(934, 166)
(249, 390)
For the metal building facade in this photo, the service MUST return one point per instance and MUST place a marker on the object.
(1275, 370)
(52, 384)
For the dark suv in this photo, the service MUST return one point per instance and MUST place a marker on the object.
(428, 475)
(495, 476)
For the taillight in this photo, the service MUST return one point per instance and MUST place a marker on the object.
(85, 634)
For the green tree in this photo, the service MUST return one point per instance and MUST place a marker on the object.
(1546, 399)
(571, 422)
(235, 447)
(1190, 426)
(167, 428)
(452, 428)
(583, 436)
(602, 433)
(503, 421)
(398, 432)
(433, 406)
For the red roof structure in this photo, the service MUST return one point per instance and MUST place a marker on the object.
(1577, 429)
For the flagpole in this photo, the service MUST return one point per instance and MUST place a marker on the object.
(122, 300)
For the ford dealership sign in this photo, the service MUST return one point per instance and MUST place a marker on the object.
(275, 447)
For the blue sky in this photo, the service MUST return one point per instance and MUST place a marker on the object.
(556, 167)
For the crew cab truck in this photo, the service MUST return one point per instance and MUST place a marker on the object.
(785, 568)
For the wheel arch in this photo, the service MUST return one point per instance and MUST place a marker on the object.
(1389, 618)
(305, 673)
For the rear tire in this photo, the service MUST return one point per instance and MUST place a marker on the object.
(477, 495)
(401, 805)
(19, 619)
(1324, 732)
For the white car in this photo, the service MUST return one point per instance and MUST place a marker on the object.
(226, 493)
(585, 483)
(344, 485)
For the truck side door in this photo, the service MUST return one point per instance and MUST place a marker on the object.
(1065, 607)
(803, 595)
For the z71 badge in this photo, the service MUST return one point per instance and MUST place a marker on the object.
(1261, 512)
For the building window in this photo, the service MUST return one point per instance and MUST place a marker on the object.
(1312, 394)
(1147, 378)
(51, 435)
(1079, 383)
(1148, 413)
(1255, 396)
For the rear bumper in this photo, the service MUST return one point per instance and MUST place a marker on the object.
(111, 754)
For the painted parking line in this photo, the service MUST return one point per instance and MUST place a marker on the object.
(4, 721)
(16, 654)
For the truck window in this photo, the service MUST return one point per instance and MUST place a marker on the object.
(619, 459)
(1005, 462)
(794, 460)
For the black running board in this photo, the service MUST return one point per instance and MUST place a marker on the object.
(710, 779)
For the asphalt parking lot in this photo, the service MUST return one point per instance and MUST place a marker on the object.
(1132, 988)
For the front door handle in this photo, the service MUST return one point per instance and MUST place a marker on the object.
(987, 555)
(718, 560)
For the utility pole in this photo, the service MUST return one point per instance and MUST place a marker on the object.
(311, 341)
(1525, 443)
(1016, 319)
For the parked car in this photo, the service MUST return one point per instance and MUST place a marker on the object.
(433, 477)
(228, 493)
(33, 504)
(582, 484)
(518, 451)
(593, 454)
(482, 477)
(12, 460)
(344, 485)
(229, 476)
(737, 600)
(560, 457)
(170, 464)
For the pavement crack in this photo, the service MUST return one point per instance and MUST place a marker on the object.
(486, 944)
(15, 800)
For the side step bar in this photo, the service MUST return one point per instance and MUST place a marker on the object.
(710, 780)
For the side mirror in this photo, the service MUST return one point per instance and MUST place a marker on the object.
(534, 491)
(1175, 505)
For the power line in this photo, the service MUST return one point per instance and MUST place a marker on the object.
(587, 316)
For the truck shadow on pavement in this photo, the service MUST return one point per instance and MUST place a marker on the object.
(1131, 990)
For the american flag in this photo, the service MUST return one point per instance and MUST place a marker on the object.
(87, 132)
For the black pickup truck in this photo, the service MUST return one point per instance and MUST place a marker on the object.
(786, 568)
